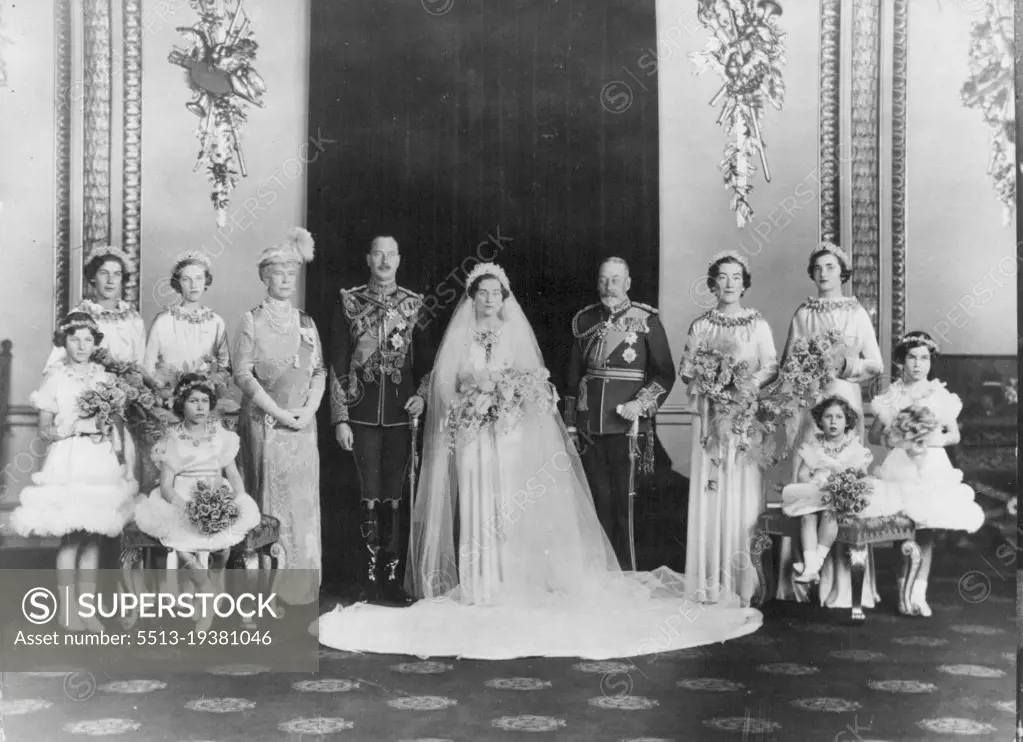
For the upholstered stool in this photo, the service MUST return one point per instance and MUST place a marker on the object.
(857, 537)
(259, 551)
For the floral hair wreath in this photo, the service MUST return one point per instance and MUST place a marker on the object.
(730, 255)
(69, 326)
(487, 269)
(203, 383)
(193, 256)
(112, 251)
(919, 340)
(835, 250)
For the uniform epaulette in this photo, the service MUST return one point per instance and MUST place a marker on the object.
(352, 290)
(411, 293)
(645, 307)
(580, 313)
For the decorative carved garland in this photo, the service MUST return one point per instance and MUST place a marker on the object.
(747, 49)
(990, 88)
(219, 71)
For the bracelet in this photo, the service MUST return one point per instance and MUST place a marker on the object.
(572, 429)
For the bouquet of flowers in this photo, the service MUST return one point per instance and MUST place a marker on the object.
(728, 393)
(498, 399)
(212, 509)
(847, 491)
(806, 373)
(102, 403)
(146, 407)
(911, 428)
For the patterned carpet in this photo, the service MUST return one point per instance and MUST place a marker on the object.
(807, 675)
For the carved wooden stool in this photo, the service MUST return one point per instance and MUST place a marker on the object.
(259, 550)
(857, 537)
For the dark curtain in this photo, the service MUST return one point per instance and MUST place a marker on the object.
(523, 131)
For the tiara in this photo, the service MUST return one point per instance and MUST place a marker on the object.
(919, 340)
(193, 256)
(731, 255)
(102, 251)
(487, 269)
(835, 250)
(77, 324)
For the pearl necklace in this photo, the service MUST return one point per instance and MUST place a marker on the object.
(280, 314)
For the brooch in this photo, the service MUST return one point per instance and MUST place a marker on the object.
(629, 355)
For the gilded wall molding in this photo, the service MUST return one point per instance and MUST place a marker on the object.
(96, 88)
(865, 148)
(62, 157)
(900, 69)
(829, 128)
(131, 175)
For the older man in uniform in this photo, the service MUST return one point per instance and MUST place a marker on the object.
(380, 363)
(621, 371)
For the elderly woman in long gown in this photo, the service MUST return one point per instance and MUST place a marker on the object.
(726, 493)
(279, 368)
(857, 361)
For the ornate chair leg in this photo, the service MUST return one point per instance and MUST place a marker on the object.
(858, 564)
(134, 580)
(761, 549)
(911, 561)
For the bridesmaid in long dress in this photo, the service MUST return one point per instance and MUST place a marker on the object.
(280, 370)
(858, 361)
(725, 486)
(188, 337)
(107, 270)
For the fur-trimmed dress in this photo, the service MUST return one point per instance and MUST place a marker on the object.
(82, 485)
(822, 459)
(191, 461)
(933, 492)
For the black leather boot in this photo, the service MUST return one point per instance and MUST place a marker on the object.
(370, 530)
(396, 545)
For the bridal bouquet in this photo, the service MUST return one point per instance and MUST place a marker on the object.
(911, 429)
(212, 509)
(847, 491)
(498, 400)
(102, 403)
(727, 392)
(808, 370)
(146, 406)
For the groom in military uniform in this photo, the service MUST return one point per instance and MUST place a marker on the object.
(620, 371)
(379, 372)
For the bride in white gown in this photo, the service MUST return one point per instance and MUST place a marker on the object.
(507, 553)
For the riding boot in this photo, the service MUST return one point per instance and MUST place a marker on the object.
(395, 551)
(370, 529)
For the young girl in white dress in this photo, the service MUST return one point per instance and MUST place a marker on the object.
(199, 448)
(835, 448)
(188, 337)
(83, 490)
(726, 493)
(933, 492)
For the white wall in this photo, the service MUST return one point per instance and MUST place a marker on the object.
(961, 266)
(696, 222)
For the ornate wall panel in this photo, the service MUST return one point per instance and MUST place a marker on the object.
(62, 149)
(131, 178)
(830, 129)
(96, 90)
(865, 148)
(900, 68)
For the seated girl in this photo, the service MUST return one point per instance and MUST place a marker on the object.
(835, 448)
(915, 419)
(196, 458)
